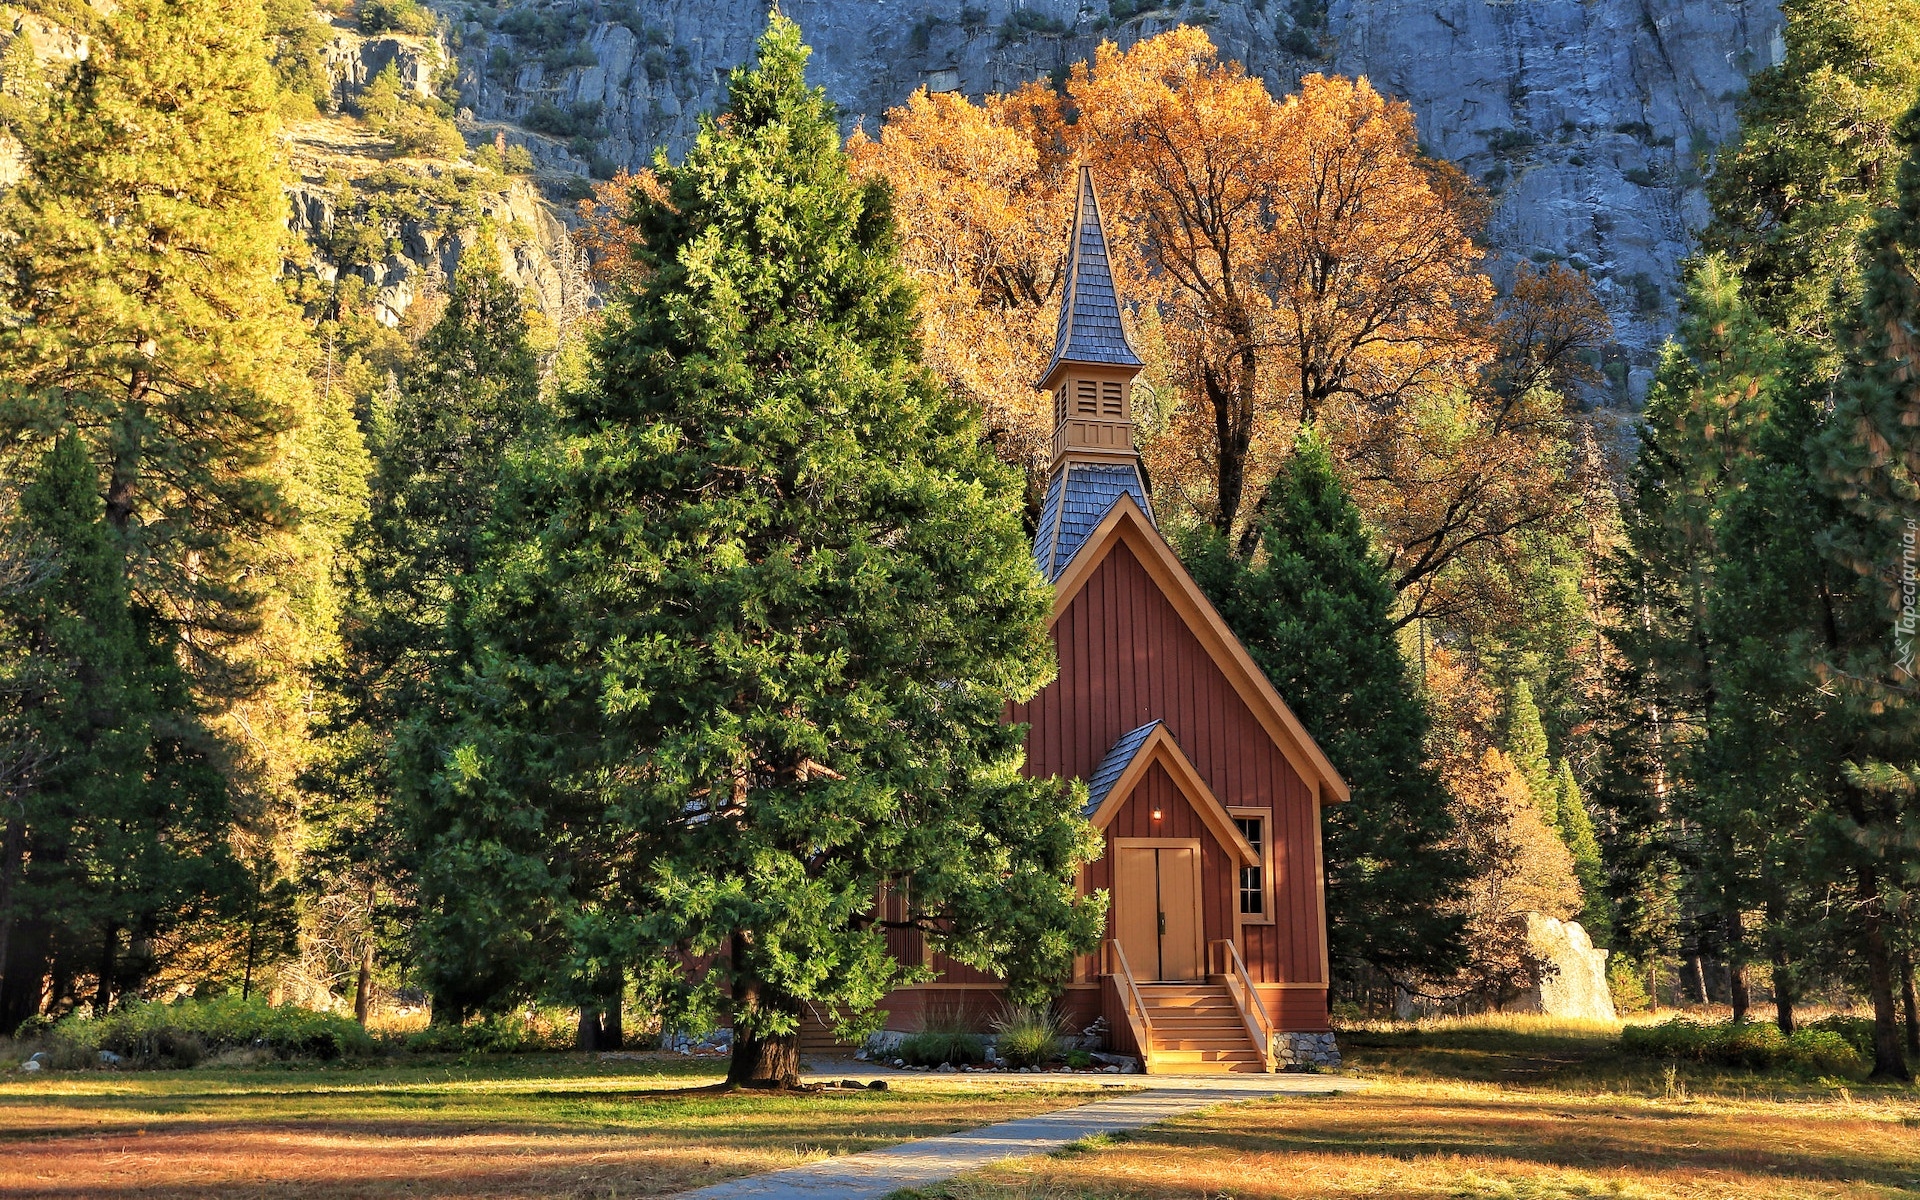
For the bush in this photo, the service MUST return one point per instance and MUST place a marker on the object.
(418, 133)
(519, 160)
(1748, 1045)
(576, 120)
(183, 1032)
(1028, 1036)
(933, 1047)
(394, 16)
(499, 1034)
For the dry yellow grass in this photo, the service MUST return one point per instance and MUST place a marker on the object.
(1506, 1109)
(554, 1127)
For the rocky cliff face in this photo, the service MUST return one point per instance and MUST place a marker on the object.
(1590, 120)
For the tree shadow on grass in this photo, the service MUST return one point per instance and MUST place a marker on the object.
(1581, 1138)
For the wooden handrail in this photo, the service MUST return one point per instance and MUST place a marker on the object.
(1246, 998)
(1130, 999)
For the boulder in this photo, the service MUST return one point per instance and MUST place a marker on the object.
(1570, 975)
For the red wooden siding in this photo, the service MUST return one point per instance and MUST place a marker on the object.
(1126, 658)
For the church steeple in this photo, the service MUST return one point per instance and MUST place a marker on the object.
(1093, 365)
(1091, 377)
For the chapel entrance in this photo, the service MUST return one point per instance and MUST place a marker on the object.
(1157, 908)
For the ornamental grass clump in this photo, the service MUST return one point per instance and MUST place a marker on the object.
(936, 1047)
(1028, 1036)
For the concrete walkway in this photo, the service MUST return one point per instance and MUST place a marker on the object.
(878, 1173)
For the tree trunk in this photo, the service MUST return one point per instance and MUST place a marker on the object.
(1888, 1060)
(1782, 974)
(588, 1035)
(758, 1061)
(613, 1030)
(769, 1062)
(9, 865)
(1697, 965)
(1737, 994)
(363, 987)
(1909, 1002)
(103, 993)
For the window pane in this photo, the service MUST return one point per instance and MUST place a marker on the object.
(1253, 892)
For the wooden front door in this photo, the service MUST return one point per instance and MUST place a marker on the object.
(1157, 909)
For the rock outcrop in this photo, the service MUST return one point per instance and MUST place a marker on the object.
(1570, 976)
(1590, 120)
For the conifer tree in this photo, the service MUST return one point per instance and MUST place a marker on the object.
(140, 309)
(440, 442)
(1527, 746)
(1576, 829)
(1314, 607)
(1870, 453)
(743, 664)
(139, 285)
(118, 834)
(1793, 194)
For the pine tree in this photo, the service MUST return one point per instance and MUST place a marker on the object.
(1815, 157)
(1576, 829)
(1527, 746)
(142, 307)
(440, 442)
(118, 832)
(1314, 607)
(1869, 451)
(742, 663)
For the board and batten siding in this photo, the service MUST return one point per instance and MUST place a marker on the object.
(1127, 657)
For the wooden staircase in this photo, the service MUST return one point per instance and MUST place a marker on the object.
(1198, 1029)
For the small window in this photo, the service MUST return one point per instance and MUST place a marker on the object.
(1253, 880)
(1086, 400)
(1112, 403)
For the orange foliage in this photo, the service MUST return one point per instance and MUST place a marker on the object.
(1519, 863)
(1285, 260)
(604, 232)
(982, 212)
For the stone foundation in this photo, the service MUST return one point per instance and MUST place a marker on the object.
(1306, 1051)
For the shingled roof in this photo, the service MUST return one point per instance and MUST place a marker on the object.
(1114, 765)
(1089, 330)
(1079, 496)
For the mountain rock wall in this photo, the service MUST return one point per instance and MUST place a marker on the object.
(1591, 121)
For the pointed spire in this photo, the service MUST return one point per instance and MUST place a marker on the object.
(1089, 330)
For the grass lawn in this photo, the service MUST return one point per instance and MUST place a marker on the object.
(534, 1125)
(1508, 1110)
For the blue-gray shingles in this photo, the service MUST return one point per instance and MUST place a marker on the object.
(1089, 327)
(1087, 493)
(1114, 765)
(1049, 516)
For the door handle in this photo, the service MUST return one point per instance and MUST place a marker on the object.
(1163, 924)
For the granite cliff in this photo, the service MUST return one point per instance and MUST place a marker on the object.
(1590, 120)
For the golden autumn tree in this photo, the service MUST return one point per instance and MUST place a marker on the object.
(1285, 259)
(985, 202)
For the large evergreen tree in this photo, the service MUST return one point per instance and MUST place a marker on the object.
(1314, 606)
(116, 833)
(1815, 156)
(748, 669)
(141, 310)
(1869, 451)
(440, 439)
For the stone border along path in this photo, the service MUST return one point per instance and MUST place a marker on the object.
(878, 1173)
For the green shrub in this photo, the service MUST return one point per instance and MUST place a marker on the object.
(1748, 1045)
(417, 133)
(499, 1034)
(184, 1031)
(519, 160)
(394, 16)
(932, 1047)
(1028, 1036)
